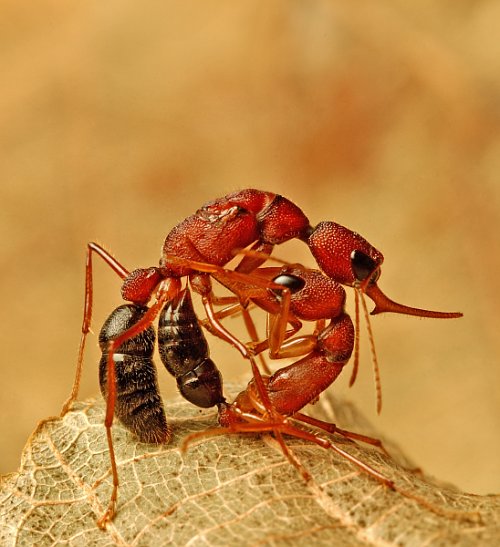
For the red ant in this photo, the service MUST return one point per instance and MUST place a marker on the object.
(184, 352)
(200, 245)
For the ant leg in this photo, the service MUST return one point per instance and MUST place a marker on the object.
(228, 301)
(260, 424)
(234, 308)
(109, 514)
(252, 331)
(332, 428)
(289, 348)
(269, 408)
(218, 329)
(201, 283)
(253, 424)
(324, 443)
(122, 272)
(299, 345)
(254, 257)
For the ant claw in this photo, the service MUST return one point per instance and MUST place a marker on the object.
(108, 516)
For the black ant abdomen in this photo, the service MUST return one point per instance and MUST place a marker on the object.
(185, 354)
(138, 403)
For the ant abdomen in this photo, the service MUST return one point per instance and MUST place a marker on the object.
(184, 352)
(138, 403)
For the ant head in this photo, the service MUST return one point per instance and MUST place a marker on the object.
(348, 258)
(344, 255)
(313, 294)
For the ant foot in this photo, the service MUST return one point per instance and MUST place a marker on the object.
(108, 516)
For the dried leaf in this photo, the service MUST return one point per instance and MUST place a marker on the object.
(225, 490)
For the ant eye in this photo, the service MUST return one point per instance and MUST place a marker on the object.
(291, 282)
(363, 266)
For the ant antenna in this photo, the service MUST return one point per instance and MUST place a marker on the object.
(359, 294)
(385, 304)
(355, 364)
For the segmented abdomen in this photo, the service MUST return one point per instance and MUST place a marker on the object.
(185, 354)
(138, 403)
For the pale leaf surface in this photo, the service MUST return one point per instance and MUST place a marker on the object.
(227, 490)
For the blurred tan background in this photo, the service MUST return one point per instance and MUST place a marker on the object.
(117, 120)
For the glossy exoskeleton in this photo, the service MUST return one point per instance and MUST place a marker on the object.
(184, 352)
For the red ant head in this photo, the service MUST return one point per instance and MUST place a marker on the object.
(344, 255)
(348, 258)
